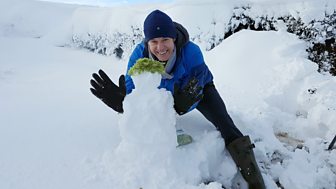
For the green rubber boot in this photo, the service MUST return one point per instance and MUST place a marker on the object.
(183, 138)
(241, 151)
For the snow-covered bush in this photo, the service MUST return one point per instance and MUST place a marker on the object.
(243, 19)
(318, 33)
(324, 54)
(108, 44)
(320, 36)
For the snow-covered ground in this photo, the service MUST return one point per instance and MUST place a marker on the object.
(55, 134)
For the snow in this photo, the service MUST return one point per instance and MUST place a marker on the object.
(55, 134)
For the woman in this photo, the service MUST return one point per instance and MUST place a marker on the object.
(190, 82)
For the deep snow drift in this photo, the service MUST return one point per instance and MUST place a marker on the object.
(55, 134)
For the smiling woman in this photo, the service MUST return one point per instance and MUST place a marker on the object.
(107, 2)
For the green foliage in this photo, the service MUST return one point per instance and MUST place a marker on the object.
(146, 65)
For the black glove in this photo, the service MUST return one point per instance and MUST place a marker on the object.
(104, 89)
(185, 98)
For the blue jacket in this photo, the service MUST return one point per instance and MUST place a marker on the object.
(189, 63)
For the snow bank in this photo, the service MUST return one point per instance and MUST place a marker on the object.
(276, 91)
(30, 18)
(279, 82)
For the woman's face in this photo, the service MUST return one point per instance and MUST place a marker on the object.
(161, 47)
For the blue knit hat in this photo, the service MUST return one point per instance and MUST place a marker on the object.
(159, 24)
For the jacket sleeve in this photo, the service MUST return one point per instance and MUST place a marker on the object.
(136, 54)
(197, 68)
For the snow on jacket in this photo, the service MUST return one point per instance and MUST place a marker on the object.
(189, 63)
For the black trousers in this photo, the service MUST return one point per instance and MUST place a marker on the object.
(213, 108)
